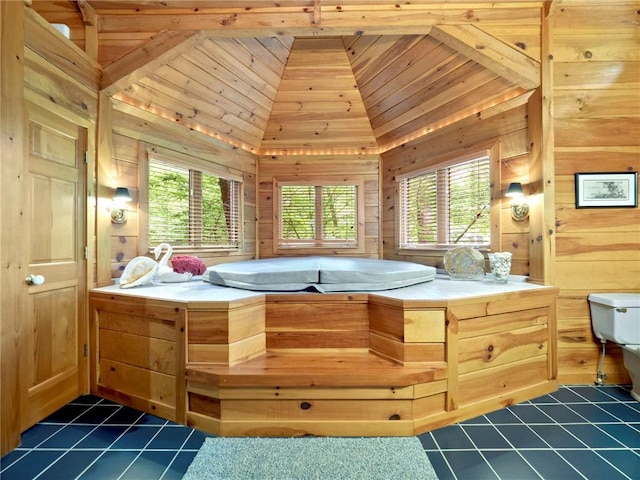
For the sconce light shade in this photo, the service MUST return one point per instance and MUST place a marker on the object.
(122, 194)
(514, 190)
(118, 213)
(519, 205)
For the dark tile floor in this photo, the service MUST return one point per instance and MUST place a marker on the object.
(578, 432)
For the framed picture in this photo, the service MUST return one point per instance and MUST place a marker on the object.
(616, 189)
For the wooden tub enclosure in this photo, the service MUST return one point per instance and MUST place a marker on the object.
(343, 364)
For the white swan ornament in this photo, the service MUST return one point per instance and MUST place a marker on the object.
(139, 271)
(165, 273)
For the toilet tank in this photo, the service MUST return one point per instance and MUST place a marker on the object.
(616, 317)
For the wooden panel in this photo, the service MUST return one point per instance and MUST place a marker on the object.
(424, 326)
(595, 276)
(505, 322)
(227, 354)
(477, 353)
(327, 393)
(315, 340)
(387, 321)
(45, 82)
(284, 428)
(204, 405)
(317, 71)
(406, 353)
(154, 386)
(501, 380)
(576, 333)
(429, 406)
(221, 327)
(312, 409)
(137, 325)
(580, 365)
(150, 353)
(317, 325)
(511, 302)
(594, 247)
(44, 39)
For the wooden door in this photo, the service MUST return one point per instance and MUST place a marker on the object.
(53, 364)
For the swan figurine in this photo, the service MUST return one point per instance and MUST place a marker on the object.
(165, 273)
(139, 271)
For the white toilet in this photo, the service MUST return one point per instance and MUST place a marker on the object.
(616, 317)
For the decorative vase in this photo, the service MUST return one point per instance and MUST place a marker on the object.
(500, 263)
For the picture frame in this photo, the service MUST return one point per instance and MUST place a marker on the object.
(606, 190)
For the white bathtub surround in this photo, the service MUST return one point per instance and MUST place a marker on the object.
(500, 263)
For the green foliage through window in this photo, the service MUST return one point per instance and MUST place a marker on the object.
(318, 214)
(449, 206)
(190, 208)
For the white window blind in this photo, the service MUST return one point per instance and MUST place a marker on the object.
(318, 214)
(447, 206)
(192, 209)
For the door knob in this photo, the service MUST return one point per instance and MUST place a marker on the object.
(34, 280)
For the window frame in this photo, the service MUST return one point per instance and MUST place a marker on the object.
(315, 246)
(492, 151)
(191, 164)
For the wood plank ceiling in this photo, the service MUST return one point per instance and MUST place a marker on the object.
(289, 94)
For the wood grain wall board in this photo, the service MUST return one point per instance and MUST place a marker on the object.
(47, 41)
(170, 108)
(480, 352)
(591, 159)
(138, 325)
(155, 386)
(593, 132)
(605, 46)
(453, 88)
(141, 125)
(596, 75)
(609, 275)
(572, 220)
(217, 89)
(580, 365)
(345, 129)
(370, 54)
(113, 46)
(576, 333)
(152, 354)
(594, 18)
(615, 246)
(596, 103)
(51, 84)
(502, 380)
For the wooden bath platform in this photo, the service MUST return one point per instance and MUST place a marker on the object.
(398, 362)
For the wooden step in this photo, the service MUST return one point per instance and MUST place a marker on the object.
(286, 369)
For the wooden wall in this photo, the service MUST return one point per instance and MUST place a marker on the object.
(506, 124)
(364, 167)
(596, 109)
(134, 133)
(596, 95)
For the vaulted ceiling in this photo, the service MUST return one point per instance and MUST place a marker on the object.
(295, 87)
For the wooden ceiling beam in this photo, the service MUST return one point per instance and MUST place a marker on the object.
(139, 63)
(499, 57)
(319, 18)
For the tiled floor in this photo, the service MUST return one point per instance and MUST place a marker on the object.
(579, 432)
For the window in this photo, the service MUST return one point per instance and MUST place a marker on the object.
(318, 215)
(190, 208)
(447, 205)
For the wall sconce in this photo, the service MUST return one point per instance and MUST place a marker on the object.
(120, 198)
(519, 205)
